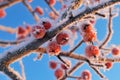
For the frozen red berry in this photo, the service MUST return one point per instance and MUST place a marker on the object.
(52, 64)
(86, 75)
(92, 51)
(58, 73)
(21, 33)
(115, 51)
(62, 38)
(53, 48)
(89, 36)
(46, 24)
(86, 28)
(108, 65)
(38, 31)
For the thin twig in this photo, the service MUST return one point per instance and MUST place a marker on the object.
(12, 73)
(73, 69)
(10, 3)
(76, 47)
(52, 8)
(7, 29)
(74, 77)
(23, 70)
(97, 71)
(31, 10)
(110, 32)
(100, 14)
(62, 60)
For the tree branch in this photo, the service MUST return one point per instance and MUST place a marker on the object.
(52, 8)
(110, 32)
(10, 3)
(12, 73)
(34, 44)
(79, 64)
(30, 10)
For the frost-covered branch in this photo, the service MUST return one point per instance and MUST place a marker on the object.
(9, 3)
(73, 69)
(6, 43)
(22, 69)
(11, 73)
(7, 29)
(110, 32)
(27, 47)
(22, 51)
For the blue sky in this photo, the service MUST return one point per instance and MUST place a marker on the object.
(39, 70)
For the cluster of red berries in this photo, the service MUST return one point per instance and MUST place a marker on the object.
(88, 33)
(54, 47)
(39, 30)
(59, 71)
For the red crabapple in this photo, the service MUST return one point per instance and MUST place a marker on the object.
(52, 64)
(86, 28)
(108, 65)
(91, 51)
(53, 48)
(62, 38)
(115, 51)
(51, 2)
(46, 24)
(2, 13)
(39, 10)
(86, 75)
(89, 36)
(58, 73)
(38, 31)
(21, 33)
